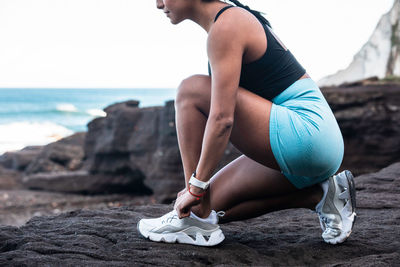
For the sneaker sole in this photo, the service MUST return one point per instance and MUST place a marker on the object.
(348, 216)
(192, 235)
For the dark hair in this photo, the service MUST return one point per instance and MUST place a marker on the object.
(257, 14)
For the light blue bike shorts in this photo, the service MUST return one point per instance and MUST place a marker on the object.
(304, 135)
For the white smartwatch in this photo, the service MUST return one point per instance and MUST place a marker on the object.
(196, 182)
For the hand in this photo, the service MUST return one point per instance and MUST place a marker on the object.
(184, 203)
(180, 193)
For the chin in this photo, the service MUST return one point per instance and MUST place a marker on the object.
(175, 22)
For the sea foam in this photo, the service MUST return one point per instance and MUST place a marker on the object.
(96, 112)
(17, 135)
(70, 108)
(66, 108)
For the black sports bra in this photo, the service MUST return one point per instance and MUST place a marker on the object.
(273, 72)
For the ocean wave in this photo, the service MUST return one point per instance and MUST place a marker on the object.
(70, 108)
(66, 108)
(17, 135)
(96, 112)
(60, 109)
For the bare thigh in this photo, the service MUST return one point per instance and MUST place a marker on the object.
(250, 132)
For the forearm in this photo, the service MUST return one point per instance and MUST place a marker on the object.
(215, 140)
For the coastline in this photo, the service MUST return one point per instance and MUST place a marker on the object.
(39, 116)
(127, 166)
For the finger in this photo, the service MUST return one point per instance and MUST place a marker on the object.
(179, 211)
(185, 214)
(178, 201)
(183, 211)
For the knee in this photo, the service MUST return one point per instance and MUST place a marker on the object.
(189, 89)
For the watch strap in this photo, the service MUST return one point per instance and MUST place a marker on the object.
(196, 182)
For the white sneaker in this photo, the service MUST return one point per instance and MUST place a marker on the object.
(169, 228)
(337, 209)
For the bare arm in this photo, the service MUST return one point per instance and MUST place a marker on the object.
(225, 50)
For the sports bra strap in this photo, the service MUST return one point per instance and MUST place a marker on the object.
(221, 11)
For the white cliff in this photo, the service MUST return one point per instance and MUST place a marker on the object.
(380, 56)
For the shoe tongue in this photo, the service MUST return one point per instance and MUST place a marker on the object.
(325, 186)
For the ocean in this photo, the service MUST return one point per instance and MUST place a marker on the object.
(41, 116)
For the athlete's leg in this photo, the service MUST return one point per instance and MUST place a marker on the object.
(190, 124)
(256, 190)
(254, 177)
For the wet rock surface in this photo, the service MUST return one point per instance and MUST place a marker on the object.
(108, 237)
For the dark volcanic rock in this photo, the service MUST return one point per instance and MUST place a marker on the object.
(19, 160)
(9, 179)
(63, 155)
(287, 238)
(131, 138)
(59, 167)
(369, 117)
(380, 190)
(84, 182)
(18, 206)
(130, 141)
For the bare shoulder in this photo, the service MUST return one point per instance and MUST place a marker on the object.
(232, 27)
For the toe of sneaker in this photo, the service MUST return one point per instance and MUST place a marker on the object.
(143, 228)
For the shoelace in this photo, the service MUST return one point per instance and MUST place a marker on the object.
(221, 213)
(324, 219)
(328, 223)
(170, 216)
(167, 218)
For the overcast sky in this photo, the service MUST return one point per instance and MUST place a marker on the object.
(131, 44)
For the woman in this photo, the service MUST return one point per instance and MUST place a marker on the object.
(260, 98)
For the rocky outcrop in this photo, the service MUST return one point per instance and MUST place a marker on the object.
(132, 150)
(285, 238)
(19, 160)
(59, 167)
(87, 183)
(131, 138)
(63, 155)
(135, 149)
(369, 118)
(9, 179)
(380, 56)
(17, 206)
